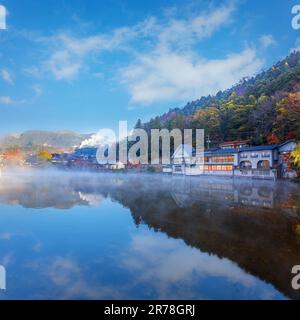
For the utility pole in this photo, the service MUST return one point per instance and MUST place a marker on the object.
(208, 141)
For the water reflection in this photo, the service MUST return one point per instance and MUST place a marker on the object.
(191, 237)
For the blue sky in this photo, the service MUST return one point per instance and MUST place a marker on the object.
(84, 65)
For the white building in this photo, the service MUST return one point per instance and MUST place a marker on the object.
(268, 162)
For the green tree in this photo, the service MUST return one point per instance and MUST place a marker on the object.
(138, 124)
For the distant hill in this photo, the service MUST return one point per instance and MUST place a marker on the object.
(35, 139)
(264, 108)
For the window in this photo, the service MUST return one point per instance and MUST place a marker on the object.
(223, 159)
(263, 165)
(245, 165)
(254, 155)
(266, 155)
(217, 168)
(244, 155)
(227, 168)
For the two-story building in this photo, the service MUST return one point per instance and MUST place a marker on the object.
(268, 161)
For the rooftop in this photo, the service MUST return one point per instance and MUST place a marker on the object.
(234, 142)
(254, 148)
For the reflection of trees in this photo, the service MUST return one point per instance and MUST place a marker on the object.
(262, 241)
(206, 214)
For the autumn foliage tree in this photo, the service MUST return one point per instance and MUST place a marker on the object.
(13, 157)
(44, 155)
(272, 138)
(296, 156)
(209, 120)
(288, 116)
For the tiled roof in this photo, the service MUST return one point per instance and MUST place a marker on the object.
(255, 148)
(234, 142)
(237, 150)
(221, 151)
(260, 148)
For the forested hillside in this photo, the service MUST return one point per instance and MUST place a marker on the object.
(264, 109)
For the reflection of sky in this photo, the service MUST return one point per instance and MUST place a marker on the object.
(97, 252)
(176, 270)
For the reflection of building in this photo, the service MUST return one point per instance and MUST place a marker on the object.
(204, 213)
(189, 191)
(266, 162)
(226, 217)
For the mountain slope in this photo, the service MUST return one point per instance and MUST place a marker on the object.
(260, 108)
(36, 139)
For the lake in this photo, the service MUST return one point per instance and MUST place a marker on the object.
(126, 236)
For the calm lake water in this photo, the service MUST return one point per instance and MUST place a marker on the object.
(106, 236)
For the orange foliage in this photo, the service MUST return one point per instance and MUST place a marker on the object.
(13, 157)
(44, 155)
(272, 138)
(288, 116)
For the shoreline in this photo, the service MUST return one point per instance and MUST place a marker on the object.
(42, 171)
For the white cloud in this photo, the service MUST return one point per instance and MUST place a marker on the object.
(166, 65)
(164, 75)
(152, 260)
(173, 70)
(62, 65)
(6, 100)
(6, 76)
(9, 100)
(181, 32)
(38, 90)
(267, 40)
(71, 53)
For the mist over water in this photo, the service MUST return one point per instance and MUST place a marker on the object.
(81, 235)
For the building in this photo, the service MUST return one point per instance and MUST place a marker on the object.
(267, 162)
(285, 160)
(118, 166)
(183, 158)
(235, 144)
(220, 160)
